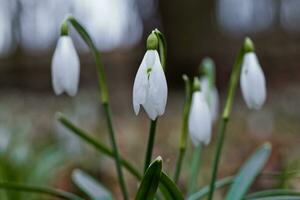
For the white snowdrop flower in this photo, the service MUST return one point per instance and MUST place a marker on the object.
(200, 121)
(65, 67)
(150, 86)
(211, 96)
(253, 83)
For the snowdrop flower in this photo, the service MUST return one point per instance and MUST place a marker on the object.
(253, 83)
(150, 86)
(200, 121)
(65, 67)
(211, 96)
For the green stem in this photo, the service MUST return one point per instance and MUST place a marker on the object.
(234, 79)
(39, 189)
(115, 149)
(96, 54)
(104, 97)
(179, 164)
(194, 169)
(150, 145)
(101, 147)
(184, 129)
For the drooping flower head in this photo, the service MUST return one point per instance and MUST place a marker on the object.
(200, 120)
(150, 86)
(253, 83)
(65, 67)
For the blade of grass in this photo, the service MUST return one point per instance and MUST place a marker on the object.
(274, 192)
(150, 181)
(248, 172)
(170, 187)
(92, 141)
(90, 186)
(205, 190)
(39, 189)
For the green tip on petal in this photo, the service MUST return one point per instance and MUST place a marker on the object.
(248, 45)
(152, 41)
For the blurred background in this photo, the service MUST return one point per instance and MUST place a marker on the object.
(36, 149)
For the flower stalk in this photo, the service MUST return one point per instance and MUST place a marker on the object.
(196, 161)
(234, 79)
(155, 42)
(184, 129)
(150, 144)
(104, 95)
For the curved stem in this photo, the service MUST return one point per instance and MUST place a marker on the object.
(100, 147)
(235, 75)
(150, 144)
(39, 189)
(105, 100)
(96, 54)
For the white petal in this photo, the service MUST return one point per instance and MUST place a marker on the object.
(200, 123)
(158, 90)
(214, 107)
(140, 84)
(253, 83)
(65, 67)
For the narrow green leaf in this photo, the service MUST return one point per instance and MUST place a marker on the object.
(248, 172)
(22, 187)
(272, 193)
(283, 197)
(169, 188)
(204, 191)
(91, 187)
(150, 181)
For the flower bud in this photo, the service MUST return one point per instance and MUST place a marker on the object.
(150, 86)
(65, 67)
(253, 83)
(200, 122)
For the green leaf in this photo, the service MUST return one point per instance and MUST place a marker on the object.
(94, 189)
(204, 191)
(169, 188)
(273, 193)
(150, 181)
(248, 172)
(282, 197)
